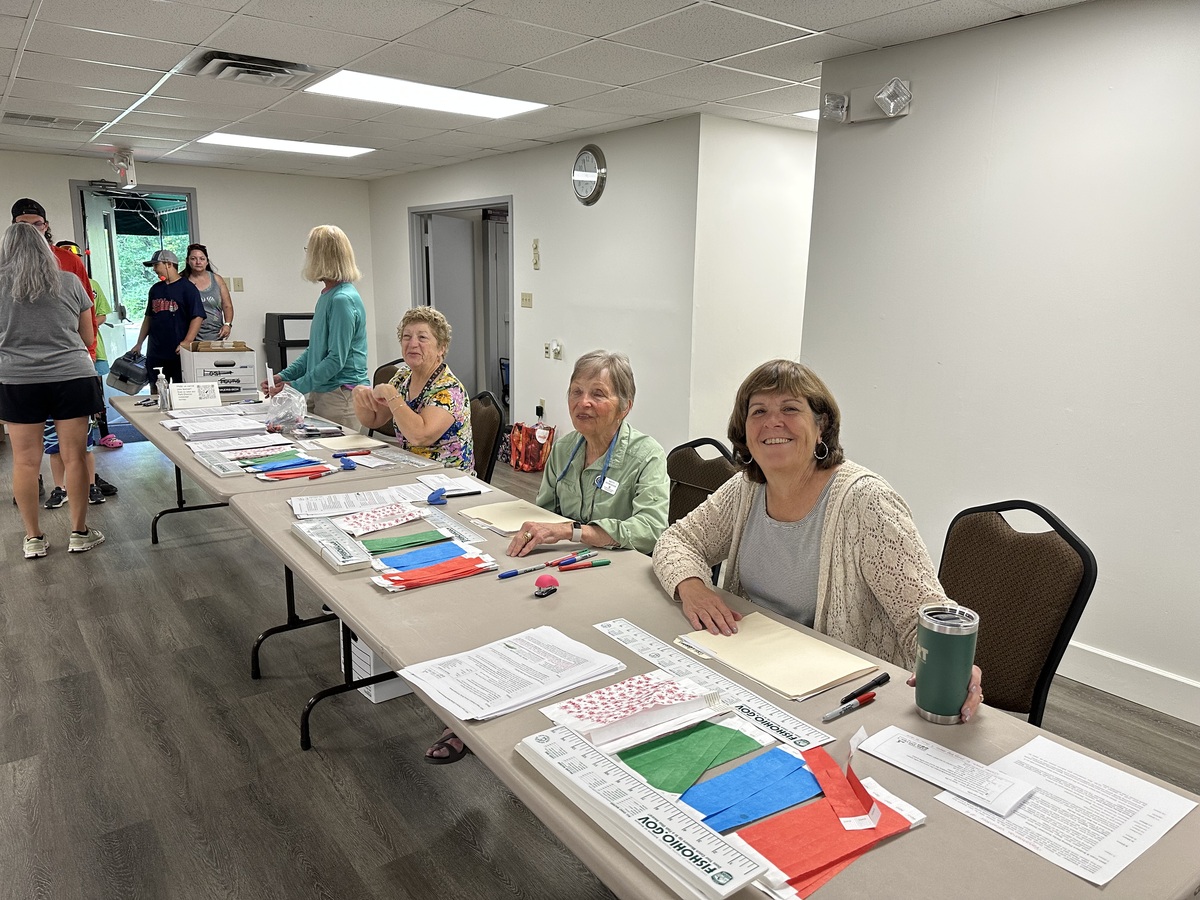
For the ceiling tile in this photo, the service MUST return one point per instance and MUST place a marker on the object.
(724, 110)
(631, 102)
(521, 145)
(1028, 7)
(797, 60)
(588, 17)
(618, 125)
(612, 63)
(467, 139)
(6, 61)
(189, 87)
(924, 21)
(318, 124)
(384, 19)
(427, 118)
(19, 8)
(371, 131)
(794, 122)
(34, 139)
(707, 32)
(819, 15)
(59, 108)
(559, 118)
(229, 6)
(80, 43)
(187, 123)
(797, 98)
(282, 133)
(139, 18)
(166, 106)
(425, 66)
(709, 82)
(133, 141)
(170, 136)
(539, 87)
(42, 90)
(11, 29)
(42, 67)
(483, 36)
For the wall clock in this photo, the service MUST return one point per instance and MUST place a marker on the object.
(588, 175)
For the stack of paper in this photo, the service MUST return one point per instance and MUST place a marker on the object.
(245, 442)
(378, 519)
(674, 763)
(769, 783)
(790, 661)
(438, 573)
(206, 412)
(508, 518)
(214, 428)
(340, 552)
(636, 710)
(330, 505)
(510, 673)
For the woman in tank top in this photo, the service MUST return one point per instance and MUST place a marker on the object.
(218, 307)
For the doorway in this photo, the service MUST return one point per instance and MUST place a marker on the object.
(118, 230)
(462, 266)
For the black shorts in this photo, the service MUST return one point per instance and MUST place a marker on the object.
(29, 404)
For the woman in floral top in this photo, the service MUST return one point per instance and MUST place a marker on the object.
(425, 401)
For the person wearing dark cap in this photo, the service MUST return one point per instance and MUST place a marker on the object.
(174, 314)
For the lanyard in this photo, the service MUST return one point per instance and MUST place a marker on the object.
(600, 479)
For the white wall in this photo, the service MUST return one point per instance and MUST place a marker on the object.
(255, 224)
(1002, 295)
(616, 275)
(752, 226)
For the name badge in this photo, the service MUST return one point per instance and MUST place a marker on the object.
(610, 486)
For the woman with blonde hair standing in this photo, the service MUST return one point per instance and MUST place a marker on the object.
(335, 361)
(46, 373)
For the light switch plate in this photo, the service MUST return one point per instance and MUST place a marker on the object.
(235, 284)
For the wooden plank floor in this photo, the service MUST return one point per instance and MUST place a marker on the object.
(138, 759)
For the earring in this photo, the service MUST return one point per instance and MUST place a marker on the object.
(743, 458)
(824, 455)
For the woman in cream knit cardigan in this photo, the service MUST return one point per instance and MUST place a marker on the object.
(806, 533)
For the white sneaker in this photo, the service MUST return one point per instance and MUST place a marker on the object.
(36, 546)
(81, 543)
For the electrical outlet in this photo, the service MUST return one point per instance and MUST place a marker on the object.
(235, 284)
(527, 300)
(547, 351)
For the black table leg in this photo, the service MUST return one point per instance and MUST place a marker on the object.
(180, 506)
(293, 622)
(349, 684)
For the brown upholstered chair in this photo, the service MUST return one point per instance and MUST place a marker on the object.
(385, 373)
(1029, 590)
(693, 478)
(487, 426)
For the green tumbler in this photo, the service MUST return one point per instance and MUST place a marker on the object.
(946, 634)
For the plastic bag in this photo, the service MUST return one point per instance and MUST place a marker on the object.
(531, 446)
(286, 410)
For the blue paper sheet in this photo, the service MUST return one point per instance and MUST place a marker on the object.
(424, 556)
(770, 782)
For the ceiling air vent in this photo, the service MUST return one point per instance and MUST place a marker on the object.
(60, 123)
(250, 69)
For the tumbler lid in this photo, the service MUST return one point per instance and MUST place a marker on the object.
(948, 618)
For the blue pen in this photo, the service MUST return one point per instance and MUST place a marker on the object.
(511, 572)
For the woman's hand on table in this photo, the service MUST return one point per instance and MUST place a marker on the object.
(533, 534)
(974, 693)
(705, 609)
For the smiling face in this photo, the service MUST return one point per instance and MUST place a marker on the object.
(197, 261)
(595, 408)
(781, 432)
(420, 348)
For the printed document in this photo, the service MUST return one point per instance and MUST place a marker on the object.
(1086, 816)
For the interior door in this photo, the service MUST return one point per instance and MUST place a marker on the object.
(452, 291)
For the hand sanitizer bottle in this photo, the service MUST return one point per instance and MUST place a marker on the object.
(164, 400)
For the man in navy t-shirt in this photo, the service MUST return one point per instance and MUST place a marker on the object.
(174, 314)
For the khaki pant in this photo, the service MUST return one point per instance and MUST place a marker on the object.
(336, 406)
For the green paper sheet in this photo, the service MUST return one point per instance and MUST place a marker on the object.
(379, 546)
(675, 762)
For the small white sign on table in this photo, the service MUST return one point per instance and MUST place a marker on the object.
(195, 395)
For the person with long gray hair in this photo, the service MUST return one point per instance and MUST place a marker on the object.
(46, 373)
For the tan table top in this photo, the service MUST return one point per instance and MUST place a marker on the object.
(949, 857)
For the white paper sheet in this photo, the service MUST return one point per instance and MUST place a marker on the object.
(510, 673)
(1086, 816)
(461, 485)
(984, 785)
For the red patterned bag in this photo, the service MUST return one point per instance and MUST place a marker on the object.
(530, 446)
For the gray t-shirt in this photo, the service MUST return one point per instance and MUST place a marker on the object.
(214, 318)
(779, 562)
(40, 341)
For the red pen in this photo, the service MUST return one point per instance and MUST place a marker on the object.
(561, 559)
(849, 707)
(584, 564)
(321, 475)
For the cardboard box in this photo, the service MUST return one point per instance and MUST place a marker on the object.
(366, 664)
(230, 364)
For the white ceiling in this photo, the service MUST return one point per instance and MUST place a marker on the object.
(601, 65)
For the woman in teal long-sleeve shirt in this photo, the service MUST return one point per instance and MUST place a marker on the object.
(335, 361)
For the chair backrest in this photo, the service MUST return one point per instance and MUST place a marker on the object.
(385, 373)
(1029, 590)
(487, 425)
(693, 478)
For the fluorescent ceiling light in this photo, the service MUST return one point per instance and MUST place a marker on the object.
(262, 143)
(809, 114)
(378, 89)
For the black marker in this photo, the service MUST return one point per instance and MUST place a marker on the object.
(869, 686)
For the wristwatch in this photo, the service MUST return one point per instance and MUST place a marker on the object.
(576, 532)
